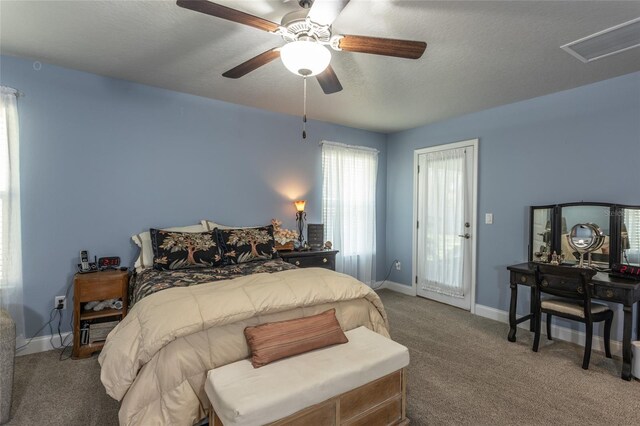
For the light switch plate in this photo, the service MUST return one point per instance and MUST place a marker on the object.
(488, 218)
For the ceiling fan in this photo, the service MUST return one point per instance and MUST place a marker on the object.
(307, 32)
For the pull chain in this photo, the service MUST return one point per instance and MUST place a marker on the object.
(304, 116)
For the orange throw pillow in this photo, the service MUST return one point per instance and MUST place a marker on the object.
(276, 340)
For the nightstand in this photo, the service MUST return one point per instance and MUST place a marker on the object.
(91, 287)
(311, 259)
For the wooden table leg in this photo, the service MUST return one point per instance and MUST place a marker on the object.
(532, 309)
(512, 312)
(626, 342)
(638, 320)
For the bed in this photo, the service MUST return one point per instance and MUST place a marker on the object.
(184, 323)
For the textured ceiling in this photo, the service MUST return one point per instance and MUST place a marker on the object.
(480, 54)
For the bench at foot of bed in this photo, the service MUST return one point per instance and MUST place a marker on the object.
(362, 382)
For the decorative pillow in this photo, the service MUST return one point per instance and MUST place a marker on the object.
(242, 245)
(143, 240)
(276, 340)
(182, 250)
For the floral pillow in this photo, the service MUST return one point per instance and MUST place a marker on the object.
(182, 250)
(241, 245)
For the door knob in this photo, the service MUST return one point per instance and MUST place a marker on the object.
(465, 236)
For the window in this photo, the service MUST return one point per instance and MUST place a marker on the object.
(349, 207)
(10, 244)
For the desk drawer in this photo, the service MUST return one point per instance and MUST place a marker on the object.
(315, 262)
(524, 279)
(608, 293)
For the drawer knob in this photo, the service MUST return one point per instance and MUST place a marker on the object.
(324, 260)
(545, 283)
(297, 263)
(579, 289)
(609, 293)
(523, 279)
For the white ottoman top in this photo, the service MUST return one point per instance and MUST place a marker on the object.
(243, 395)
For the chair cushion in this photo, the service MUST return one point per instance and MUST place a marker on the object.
(571, 307)
(243, 395)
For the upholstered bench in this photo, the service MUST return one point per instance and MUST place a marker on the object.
(359, 382)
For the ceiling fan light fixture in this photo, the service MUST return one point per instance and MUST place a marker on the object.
(305, 58)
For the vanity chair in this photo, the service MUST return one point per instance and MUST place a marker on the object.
(572, 288)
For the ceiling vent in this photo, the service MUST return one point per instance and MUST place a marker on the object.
(608, 42)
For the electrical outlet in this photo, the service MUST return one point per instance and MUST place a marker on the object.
(398, 265)
(58, 300)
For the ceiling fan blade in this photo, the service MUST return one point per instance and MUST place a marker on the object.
(324, 12)
(254, 63)
(383, 46)
(229, 14)
(329, 81)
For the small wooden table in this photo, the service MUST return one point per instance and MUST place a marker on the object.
(92, 287)
(606, 288)
(311, 258)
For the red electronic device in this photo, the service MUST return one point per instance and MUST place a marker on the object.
(109, 262)
(626, 271)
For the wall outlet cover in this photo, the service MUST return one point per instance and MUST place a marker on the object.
(58, 299)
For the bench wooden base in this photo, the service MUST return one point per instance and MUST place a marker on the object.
(378, 403)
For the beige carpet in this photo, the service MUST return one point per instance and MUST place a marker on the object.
(462, 371)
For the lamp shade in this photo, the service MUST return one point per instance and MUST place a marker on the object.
(305, 58)
(300, 205)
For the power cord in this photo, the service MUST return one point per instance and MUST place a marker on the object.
(57, 311)
(51, 318)
(388, 275)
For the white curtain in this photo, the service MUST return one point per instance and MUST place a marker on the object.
(10, 246)
(349, 207)
(442, 191)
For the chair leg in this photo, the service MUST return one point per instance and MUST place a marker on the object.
(587, 347)
(549, 326)
(607, 335)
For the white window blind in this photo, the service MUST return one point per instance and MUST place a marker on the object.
(349, 207)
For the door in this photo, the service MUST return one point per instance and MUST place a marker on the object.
(445, 210)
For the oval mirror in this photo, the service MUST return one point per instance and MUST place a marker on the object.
(585, 238)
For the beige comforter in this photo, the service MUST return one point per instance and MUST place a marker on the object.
(155, 361)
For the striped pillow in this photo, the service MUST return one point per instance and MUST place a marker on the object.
(276, 340)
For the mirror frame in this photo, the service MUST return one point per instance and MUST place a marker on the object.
(615, 227)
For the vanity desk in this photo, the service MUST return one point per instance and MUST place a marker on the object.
(606, 288)
(612, 232)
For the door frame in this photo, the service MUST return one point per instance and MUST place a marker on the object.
(474, 212)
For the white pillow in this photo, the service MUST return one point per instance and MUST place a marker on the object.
(143, 240)
(210, 225)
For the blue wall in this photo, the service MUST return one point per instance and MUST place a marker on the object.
(580, 144)
(103, 159)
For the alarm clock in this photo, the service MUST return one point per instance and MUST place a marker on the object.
(626, 271)
(109, 262)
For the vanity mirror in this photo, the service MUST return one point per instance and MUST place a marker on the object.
(630, 236)
(618, 230)
(585, 238)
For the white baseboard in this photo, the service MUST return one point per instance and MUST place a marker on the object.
(41, 344)
(397, 287)
(557, 332)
